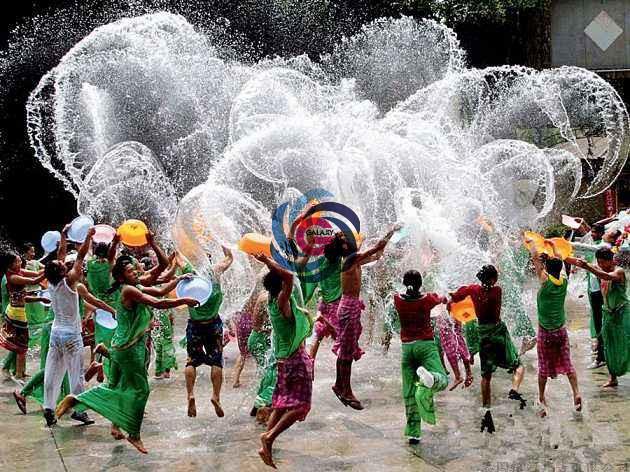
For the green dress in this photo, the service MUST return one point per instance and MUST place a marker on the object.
(616, 329)
(259, 345)
(162, 337)
(35, 312)
(123, 399)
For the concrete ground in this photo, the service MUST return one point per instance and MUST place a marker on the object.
(337, 438)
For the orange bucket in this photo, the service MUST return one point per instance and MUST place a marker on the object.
(133, 233)
(254, 243)
(538, 242)
(464, 311)
(563, 247)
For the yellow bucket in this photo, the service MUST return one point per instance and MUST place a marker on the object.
(464, 311)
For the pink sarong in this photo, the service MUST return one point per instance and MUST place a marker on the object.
(554, 353)
(294, 387)
(329, 312)
(452, 340)
(244, 326)
(346, 345)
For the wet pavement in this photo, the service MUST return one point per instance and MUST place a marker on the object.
(337, 438)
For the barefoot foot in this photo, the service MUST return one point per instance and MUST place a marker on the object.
(577, 402)
(457, 382)
(192, 407)
(217, 407)
(137, 443)
(116, 433)
(265, 451)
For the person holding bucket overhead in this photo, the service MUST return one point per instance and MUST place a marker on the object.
(204, 339)
(291, 400)
(423, 374)
(65, 353)
(123, 399)
(554, 352)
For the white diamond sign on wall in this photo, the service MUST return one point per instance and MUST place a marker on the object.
(603, 30)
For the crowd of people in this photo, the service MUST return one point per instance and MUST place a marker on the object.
(275, 325)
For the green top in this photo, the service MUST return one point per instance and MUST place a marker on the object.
(550, 304)
(210, 309)
(616, 297)
(330, 285)
(35, 266)
(288, 333)
(132, 325)
(99, 279)
(5, 294)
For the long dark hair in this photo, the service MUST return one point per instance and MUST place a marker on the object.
(412, 280)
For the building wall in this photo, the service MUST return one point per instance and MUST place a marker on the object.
(570, 45)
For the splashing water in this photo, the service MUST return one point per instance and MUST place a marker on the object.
(127, 182)
(392, 123)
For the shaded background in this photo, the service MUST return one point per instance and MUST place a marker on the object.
(34, 37)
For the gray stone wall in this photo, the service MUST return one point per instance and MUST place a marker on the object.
(606, 42)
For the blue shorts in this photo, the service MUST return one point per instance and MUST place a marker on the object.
(204, 341)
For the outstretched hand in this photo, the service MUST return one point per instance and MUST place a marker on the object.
(190, 302)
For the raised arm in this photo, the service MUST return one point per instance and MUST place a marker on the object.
(541, 273)
(133, 295)
(300, 261)
(75, 274)
(113, 248)
(166, 288)
(62, 249)
(284, 296)
(225, 264)
(367, 256)
(150, 277)
(86, 295)
(168, 274)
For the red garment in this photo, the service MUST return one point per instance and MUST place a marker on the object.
(487, 302)
(554, 353)
(415, 316)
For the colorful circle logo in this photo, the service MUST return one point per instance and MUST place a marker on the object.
(312, 234)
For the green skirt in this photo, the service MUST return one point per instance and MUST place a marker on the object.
(496, 348)
(123, 399)
(471, 334)
(616, 336)
(162, 337)
(37, 317)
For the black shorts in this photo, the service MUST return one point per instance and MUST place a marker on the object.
(205, 342)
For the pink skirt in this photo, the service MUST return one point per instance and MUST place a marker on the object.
(554, 353)
(243, 330)
(346, 345)
(294, 387)
(329, 312)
